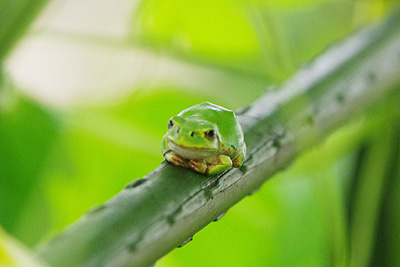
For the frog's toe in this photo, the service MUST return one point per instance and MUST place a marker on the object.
(215, 169)
(223, 164)
(236, 163)
(176, 159)
(198, 165)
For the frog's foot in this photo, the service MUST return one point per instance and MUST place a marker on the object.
(217, 165)
(198, 165)
(236, 163)
(221, 164)
(176, 159)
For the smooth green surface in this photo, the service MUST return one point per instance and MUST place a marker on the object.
(27, 135)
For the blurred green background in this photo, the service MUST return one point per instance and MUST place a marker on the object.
(87, 91)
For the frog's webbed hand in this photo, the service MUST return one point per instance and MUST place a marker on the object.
(176, 159)
(216, 165)
(199, 165)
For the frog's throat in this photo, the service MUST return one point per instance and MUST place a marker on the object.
(192, 152)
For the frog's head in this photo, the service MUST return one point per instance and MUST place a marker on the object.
(192, 135)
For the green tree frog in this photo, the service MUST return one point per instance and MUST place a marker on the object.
(206, 138)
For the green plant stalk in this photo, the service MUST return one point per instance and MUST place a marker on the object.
(390, 220)
(157, 213)
(369, 194)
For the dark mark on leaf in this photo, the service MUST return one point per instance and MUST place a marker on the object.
(310, 120)
(135, 183)
(172, 217)
(340, 98)
(185, 242)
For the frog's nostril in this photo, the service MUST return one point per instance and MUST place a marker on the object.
(192, 134)
(177, 130)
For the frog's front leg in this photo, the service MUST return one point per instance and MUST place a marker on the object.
(173, 157)
(216, 165)
(165, 147)
(236, 163)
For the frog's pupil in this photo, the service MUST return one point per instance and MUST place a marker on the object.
(211, 133)
(170, 123)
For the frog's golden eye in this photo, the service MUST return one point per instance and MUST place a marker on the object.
(170, 124)
(209, 134)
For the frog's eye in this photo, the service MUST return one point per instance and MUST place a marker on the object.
(170, 124)
(209, 134)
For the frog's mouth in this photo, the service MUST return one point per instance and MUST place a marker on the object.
(192, 152)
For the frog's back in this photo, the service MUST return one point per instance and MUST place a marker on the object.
(224, 119)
